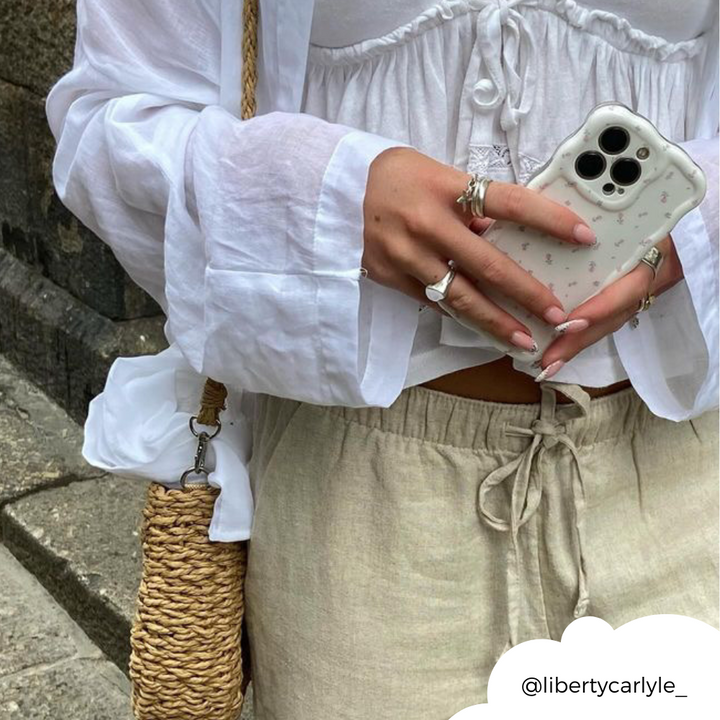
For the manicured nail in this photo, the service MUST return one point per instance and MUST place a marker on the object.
(550, 370)
(554, 315)
(584, 235)
(572, 326)
(524, 341)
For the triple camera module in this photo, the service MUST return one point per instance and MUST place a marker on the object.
(624, 171)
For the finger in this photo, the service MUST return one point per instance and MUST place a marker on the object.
(505, 201)
(464, 299)
(622, 296)
(566, 347)
(493, 268)
(410, 286)
(671, 271)
(602, 315)
(480, 225)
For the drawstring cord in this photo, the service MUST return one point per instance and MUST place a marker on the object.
(546, 432)
(507, 48)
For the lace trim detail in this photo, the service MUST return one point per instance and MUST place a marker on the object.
(495, 161)
(528, 167)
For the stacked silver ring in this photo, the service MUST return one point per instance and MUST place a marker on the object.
(474, 195)
(474, 198)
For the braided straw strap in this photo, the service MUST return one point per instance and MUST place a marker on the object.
(187, 660)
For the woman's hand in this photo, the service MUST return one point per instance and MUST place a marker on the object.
(610, 309)
(414, 226)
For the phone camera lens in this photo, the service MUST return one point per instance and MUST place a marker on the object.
(625, 171)
(590, 165)
(608, 188)
(614, 140)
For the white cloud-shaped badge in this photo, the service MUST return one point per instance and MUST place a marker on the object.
(660, 666)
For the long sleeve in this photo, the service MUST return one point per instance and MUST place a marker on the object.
(672, 356)
(247, 233)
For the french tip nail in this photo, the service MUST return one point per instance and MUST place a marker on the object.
(572, 326)
(550, 370)
(584, 235)
(524, 341)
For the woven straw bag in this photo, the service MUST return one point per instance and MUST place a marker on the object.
(189, 658)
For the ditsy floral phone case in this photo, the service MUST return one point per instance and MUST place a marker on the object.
(629, 184)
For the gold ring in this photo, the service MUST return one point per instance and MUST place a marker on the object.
(646, 302)
(654, 259)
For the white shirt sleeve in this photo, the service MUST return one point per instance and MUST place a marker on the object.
(672, 356)
(249, 234)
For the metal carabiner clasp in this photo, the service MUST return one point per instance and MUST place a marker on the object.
(198, 467)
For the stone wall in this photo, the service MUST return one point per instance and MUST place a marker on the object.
(67, 308)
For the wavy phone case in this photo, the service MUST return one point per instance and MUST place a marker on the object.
(629, 215)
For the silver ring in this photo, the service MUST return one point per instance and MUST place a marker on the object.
(474, 194)
(437, 292)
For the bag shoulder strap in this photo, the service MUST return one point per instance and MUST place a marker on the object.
(215, 393)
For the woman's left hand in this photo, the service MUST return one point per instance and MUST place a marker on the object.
(610, 309)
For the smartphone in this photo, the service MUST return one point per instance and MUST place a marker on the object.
(630, 185)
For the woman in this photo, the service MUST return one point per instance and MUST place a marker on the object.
(421, 503)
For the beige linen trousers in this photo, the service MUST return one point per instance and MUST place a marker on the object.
(396, 553)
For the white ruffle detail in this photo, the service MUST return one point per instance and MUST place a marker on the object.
(138, 427)
(439, 83)
(614, 29)
(619, 32)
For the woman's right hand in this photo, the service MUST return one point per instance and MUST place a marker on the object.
(414, 226)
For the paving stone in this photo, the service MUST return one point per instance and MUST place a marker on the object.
(48, 667)
(80, 690)
(61, 344)
(40, 443)
(33, 630)
(82, 542)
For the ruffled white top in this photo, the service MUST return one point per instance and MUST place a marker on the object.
(249, 234)
(493, 87)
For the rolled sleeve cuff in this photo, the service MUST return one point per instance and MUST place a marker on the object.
(366, 331)
(671, 358)
(313, 329)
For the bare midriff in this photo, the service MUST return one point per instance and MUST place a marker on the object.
(498, 381)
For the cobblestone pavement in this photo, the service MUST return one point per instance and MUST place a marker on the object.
(48, 666)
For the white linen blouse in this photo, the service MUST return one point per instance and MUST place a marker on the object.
(249, 233)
